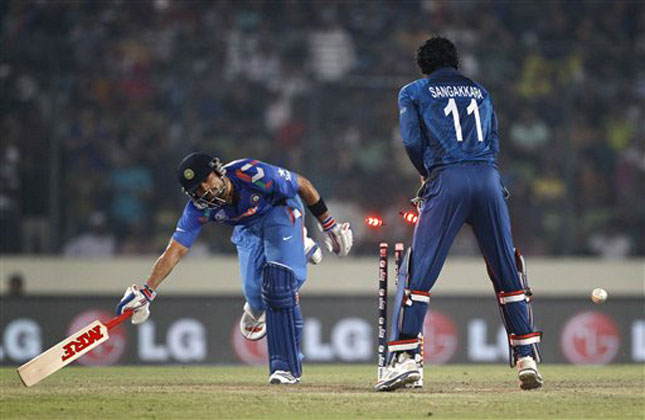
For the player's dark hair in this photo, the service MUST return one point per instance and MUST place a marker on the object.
(435, 53)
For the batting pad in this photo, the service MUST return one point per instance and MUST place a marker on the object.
(279, 293)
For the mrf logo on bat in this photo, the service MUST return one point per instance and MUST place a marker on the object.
(81, 342)
(71, 348)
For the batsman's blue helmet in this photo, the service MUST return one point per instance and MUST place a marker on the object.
(194, 169)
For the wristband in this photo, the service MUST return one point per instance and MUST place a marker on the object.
(328, 224)
(318, 208)
(148, 293)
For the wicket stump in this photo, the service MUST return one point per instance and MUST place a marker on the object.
(382, 310)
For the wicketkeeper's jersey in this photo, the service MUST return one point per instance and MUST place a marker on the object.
(446, 118)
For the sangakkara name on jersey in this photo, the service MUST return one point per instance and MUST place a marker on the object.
(452, 91)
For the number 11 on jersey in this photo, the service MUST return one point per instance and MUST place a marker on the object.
(451, 108)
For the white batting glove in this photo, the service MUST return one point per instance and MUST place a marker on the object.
(253, 325)
(138, 300)
(339, 237)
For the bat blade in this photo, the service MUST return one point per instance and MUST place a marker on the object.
(63, 353)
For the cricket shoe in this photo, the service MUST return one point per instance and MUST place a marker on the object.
(283, 377)
(402, 370)
(252, 326)
(313, 253)
(527, 369)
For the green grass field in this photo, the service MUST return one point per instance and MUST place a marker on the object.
(455, 391)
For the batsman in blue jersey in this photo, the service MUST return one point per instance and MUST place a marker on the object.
(264, 203)
(449, 131)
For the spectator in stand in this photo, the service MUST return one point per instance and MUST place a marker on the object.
(16, 287)
(132, 189)
(291, 80)
(97, 241)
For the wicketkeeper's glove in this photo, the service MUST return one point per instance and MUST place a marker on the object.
(339, 237)
(139, 301)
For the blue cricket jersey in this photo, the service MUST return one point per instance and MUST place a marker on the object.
(258, 188)
(446, 118)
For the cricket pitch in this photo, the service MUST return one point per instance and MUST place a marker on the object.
(327, 391)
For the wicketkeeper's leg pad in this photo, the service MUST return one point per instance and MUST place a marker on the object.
(409, 312)
(413, 312)
(399, 298)
(522, 338)
(411, 346)
(283, 319)
(517, 315)
(413, 309)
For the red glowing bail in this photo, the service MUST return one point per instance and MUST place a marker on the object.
(373, 221)
(410, 217)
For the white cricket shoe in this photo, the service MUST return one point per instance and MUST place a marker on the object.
(527, 369)
(312, 250)
(402, 370)
(283, 377)
(252, 325)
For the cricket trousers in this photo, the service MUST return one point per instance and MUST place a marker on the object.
(471, 193)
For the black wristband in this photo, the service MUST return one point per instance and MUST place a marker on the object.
(318, 208)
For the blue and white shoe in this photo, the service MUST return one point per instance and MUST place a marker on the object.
(283, 377)
(529, 375)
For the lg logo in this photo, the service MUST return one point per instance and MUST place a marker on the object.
(185, 341)
(590, 338)
(350, 340)
(21, 340)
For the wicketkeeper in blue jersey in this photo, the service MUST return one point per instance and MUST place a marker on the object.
(264, 203)
(449, 131)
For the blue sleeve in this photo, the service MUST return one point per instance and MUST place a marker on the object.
(189, 226)
(281, 182)
(413, 137)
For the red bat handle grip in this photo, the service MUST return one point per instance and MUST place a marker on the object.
(118, 319)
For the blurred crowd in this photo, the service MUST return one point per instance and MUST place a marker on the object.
(101, 99)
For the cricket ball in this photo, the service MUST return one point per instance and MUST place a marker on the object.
(598, 295)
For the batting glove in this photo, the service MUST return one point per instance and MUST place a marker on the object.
(339, 237)
(253, 325)
(313, 254)
(138, 300)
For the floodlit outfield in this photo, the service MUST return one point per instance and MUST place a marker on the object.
(326, 392)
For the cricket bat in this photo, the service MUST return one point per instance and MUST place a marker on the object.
(68, 350)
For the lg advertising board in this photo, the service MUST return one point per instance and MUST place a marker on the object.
(199, 330)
